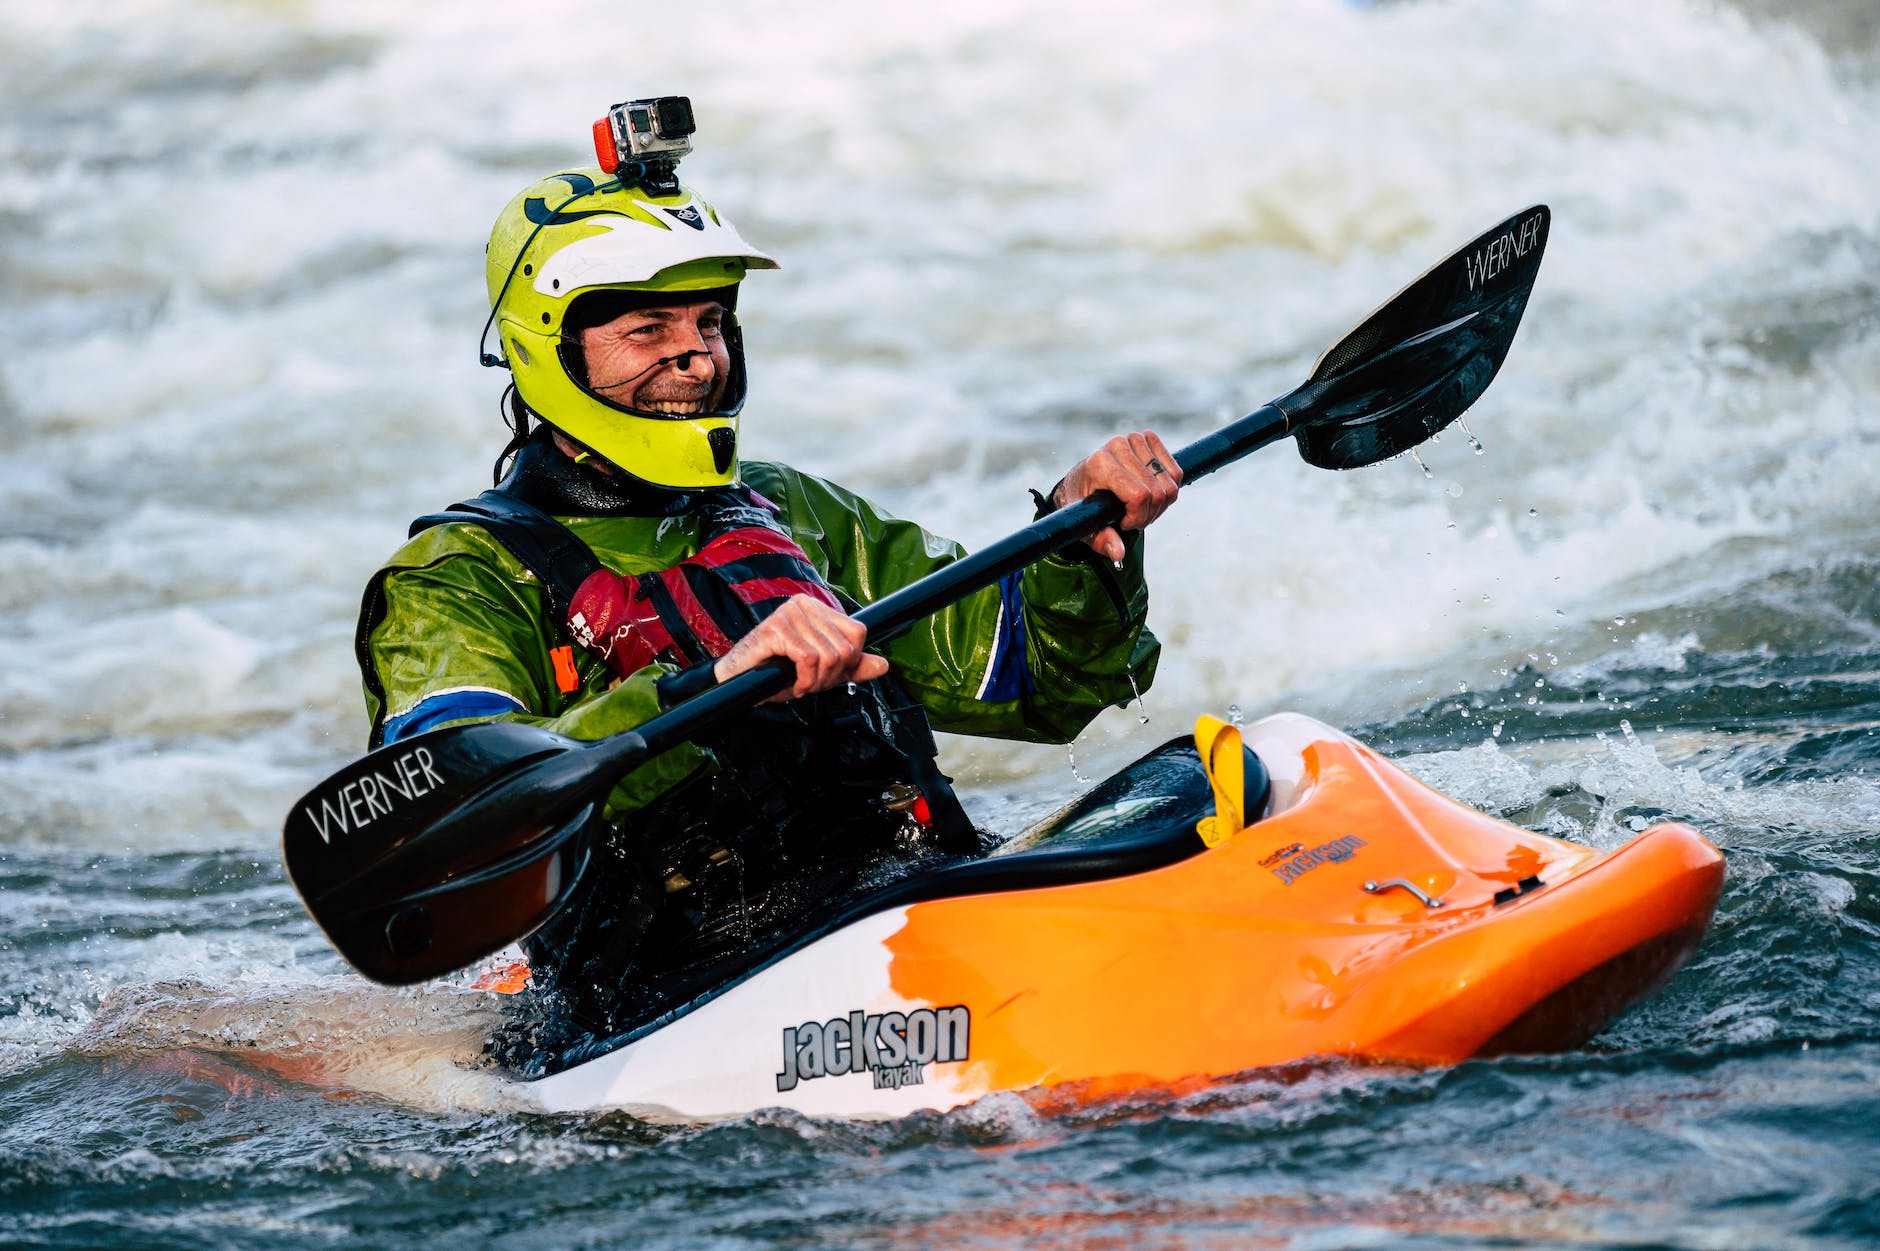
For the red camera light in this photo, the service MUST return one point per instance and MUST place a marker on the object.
(604, 149)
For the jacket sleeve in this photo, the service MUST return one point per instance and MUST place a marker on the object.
(454, 630)
(1035, 657)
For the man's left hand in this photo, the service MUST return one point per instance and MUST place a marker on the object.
(1138, 470)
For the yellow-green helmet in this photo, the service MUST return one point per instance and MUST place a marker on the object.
(579, 232)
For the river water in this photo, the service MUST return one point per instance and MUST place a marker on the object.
(241, 261)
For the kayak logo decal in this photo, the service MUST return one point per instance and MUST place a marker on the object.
(365, 799)
(1507, 248)
(689, 215)
(1337, 851)
(895, 1047)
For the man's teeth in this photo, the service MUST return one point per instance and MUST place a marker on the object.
(677, 407)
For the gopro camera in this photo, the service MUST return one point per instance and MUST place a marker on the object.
(642, 140)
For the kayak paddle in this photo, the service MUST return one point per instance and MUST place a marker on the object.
(434, 851)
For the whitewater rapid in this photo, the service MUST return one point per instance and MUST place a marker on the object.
(241, 254)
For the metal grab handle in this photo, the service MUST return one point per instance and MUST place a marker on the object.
(1378, 888)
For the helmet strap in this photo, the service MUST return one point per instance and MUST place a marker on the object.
(516, 417)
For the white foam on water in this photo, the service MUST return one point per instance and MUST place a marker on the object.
(1484, 777)
(1624, 773)
(417, 1046)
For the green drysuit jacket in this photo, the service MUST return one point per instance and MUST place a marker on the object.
(456, 629)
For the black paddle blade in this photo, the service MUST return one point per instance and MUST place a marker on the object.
(1418, 362)
(430, 853)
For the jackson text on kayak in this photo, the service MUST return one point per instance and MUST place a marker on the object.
(895, 1046)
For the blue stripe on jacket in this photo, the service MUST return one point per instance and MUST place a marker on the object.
(1007, 675)
(434, 710)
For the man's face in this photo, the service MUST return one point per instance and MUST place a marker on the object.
(624, 358)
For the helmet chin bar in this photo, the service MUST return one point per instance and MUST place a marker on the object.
(724, 447)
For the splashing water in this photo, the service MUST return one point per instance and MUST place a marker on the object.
(1070, 755)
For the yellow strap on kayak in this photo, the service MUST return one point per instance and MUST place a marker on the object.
(1221, 755)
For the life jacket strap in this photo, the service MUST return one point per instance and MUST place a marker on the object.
(560, 561)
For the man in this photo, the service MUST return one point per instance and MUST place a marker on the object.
(629, 558)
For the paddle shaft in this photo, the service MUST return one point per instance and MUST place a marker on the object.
(893, 613)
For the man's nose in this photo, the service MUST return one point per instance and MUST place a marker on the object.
(684, 359)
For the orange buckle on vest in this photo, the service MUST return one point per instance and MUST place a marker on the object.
(566, 679)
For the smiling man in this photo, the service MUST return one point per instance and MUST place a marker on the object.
(616, 354)
(629, 557)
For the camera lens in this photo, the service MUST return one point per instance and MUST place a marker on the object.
(673, 117)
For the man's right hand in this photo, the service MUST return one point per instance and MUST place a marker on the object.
(824, 643)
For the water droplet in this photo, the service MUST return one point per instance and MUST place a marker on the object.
(1540, 681)
(1141, 708)
(1473, 441)
(1233, 714)
(1420, 465)
(1070, 752)
(1498, 726)
(1534, 512)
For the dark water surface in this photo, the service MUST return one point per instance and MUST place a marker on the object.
(1738, 1108)
(240, 246)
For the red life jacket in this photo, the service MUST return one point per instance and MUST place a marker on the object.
(698, 608)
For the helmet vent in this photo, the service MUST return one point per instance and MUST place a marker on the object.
(724, 445)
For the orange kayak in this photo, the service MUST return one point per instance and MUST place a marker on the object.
(1265, 894)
